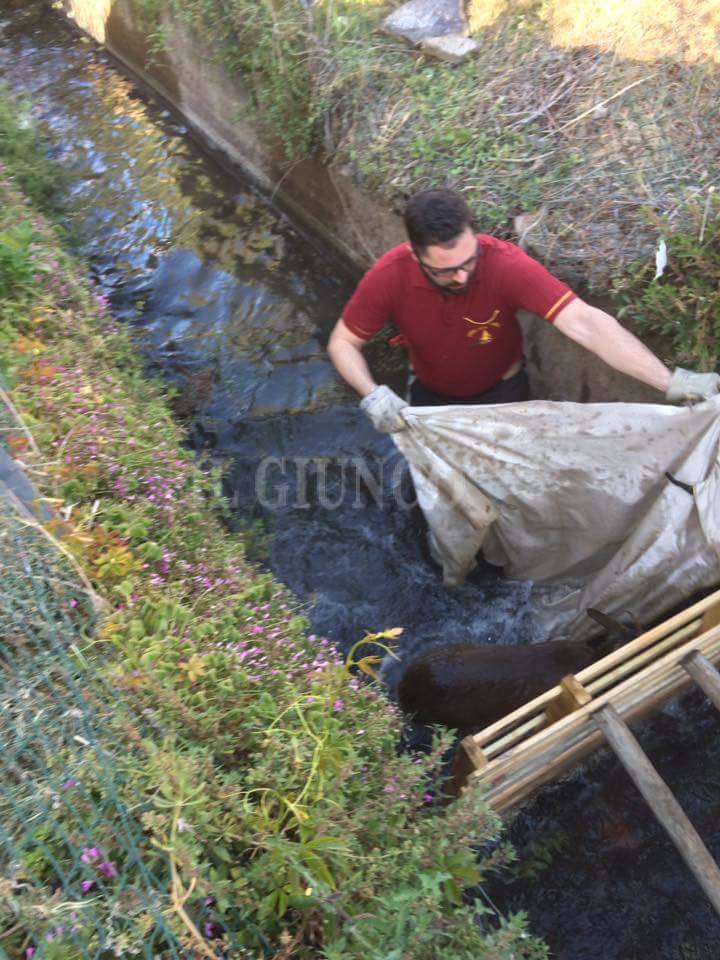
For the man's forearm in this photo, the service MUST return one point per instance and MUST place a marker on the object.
(351, 365)
(623, 351)
(609, 340)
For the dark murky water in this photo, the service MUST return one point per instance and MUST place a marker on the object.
(598, 876)
(234, 306)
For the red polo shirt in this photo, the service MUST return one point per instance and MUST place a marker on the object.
(460, 344)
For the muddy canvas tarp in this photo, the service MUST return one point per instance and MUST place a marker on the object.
(620, 500)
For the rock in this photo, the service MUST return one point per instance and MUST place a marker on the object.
(194, 391)
(308, 350)
(295, 387)
(280, 354)
(18, 492)
(453, 47)
(418, 19)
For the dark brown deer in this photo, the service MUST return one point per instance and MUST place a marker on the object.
(471, 686)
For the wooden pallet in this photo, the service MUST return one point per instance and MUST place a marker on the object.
(539, 741)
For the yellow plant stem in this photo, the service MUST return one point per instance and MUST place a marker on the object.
(179, 895)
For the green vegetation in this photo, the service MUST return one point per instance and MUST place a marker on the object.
(39, 178)
(253, 767)
(43, 182)
(195, 775)
(303, 61)
(22, 265)
(682, 307)
(16, 261)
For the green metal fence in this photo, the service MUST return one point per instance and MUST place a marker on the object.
(68, 839)
(78, 876)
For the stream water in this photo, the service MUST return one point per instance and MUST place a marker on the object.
(234, 305)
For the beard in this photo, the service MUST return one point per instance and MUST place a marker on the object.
(454, 289)
(457, 288)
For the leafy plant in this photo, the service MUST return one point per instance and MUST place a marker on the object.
(23, 155)
(17, 263)
(683, 305)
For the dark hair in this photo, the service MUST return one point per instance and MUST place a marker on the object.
(436, 217)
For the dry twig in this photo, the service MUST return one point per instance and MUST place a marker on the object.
(26, 519)
(602, 103)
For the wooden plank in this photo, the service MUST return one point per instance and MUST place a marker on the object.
(597, 669)
(711, 618)
(661, 801)
(527, 765)
(572, 697)
(704, 674)
(666, 678)
(650, 637)
(635, 647)
(509, 793)
(635, 663)
(522, 765)
(629, 689)
(668, 661)
(515, 736)
(504, 726)
(510, 788)
(468, 759)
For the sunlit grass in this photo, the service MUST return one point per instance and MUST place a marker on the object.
(637, 29)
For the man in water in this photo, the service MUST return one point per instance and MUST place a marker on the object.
(453, 294)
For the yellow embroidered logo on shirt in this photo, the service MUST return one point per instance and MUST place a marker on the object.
(479, 332)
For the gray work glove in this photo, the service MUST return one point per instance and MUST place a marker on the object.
(691, 386)
(383, 406)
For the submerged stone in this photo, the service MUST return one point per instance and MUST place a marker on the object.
(295, 387)
(307, 350)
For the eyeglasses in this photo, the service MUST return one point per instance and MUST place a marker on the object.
(467, 266)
